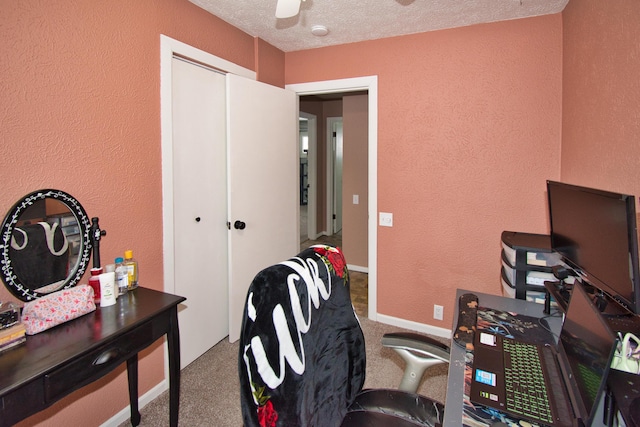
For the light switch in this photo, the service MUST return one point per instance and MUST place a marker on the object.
(386, 219)
(356, 199)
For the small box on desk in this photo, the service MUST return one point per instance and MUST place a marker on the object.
(12, 336)
(9, 315)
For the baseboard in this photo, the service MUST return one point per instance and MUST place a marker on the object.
(358, 268)
(414, 326)
(146, 398)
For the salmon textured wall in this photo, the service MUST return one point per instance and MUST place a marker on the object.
(269, 63)
(80, 112)
(601, 89)
(469, 128)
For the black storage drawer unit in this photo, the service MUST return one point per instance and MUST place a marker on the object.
(527, 262)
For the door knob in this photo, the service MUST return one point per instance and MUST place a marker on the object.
(197, 219)
(239, 225)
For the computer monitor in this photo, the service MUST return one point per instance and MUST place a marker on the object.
(595, 233)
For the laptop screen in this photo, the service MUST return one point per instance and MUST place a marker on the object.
(587, 342)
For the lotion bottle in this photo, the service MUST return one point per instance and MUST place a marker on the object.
(107, 289)
(132, 269)
(111, 268)
(122, 276)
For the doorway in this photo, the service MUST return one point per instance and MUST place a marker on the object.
(370, 85)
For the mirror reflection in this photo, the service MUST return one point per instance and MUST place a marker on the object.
(45, 244)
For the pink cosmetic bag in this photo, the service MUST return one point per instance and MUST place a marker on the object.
(57, 308)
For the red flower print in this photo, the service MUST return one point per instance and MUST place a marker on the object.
(334, 259)
(267, 416)
(337, 261)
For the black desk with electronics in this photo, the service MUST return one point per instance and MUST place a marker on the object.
(623, 388)
(56, 362)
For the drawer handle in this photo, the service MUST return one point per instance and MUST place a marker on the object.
(106, 356)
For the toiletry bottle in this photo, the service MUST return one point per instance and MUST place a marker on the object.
(107, 289)
(122, 276)
(94, 282)
(111, 268)
(132, 268)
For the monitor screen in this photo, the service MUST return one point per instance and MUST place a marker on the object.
(595, 232)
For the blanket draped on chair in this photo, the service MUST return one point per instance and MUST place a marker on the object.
(300, 343)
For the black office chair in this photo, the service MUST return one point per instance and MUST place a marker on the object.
(302, 353)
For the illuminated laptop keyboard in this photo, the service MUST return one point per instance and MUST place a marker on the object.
(524, 382)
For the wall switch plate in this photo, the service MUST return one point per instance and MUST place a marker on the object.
(386, 219)
(356, 199)
(438, 312)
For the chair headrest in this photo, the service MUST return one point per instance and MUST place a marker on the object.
(302, 356)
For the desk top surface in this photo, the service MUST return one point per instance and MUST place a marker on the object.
(52, 348)
(455, 384)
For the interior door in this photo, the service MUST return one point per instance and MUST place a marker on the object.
(262, 132)
(200, 205)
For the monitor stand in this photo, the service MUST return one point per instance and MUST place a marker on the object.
(619, 318)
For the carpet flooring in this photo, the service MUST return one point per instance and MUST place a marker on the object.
(210, 390)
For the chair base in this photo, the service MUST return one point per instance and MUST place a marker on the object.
(385, 407)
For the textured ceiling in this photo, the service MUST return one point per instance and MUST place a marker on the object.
(351, 21)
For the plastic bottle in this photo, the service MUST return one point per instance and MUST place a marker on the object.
(94, 282)
(111, 268)
(132, 268)
(122, 276)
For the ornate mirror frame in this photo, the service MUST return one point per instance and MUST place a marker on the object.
(12, 282)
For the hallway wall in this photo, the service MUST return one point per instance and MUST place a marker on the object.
(355, 179)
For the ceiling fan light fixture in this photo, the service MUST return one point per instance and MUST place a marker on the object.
(319, 30)
(287, 8)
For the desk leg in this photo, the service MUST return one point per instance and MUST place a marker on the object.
(132, 374)
(173, 344)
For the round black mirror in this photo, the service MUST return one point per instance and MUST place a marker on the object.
(45, 244)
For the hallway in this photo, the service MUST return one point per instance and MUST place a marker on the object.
(359, 282)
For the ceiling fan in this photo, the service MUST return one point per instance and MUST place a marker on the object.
(287, 8)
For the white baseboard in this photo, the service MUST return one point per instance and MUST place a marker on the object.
(146, 398)
(414, 326)
(358, 268)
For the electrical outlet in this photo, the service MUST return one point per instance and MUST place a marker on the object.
(386, 219)
(438, 312)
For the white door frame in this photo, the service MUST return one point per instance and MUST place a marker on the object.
(312, 174)
(370, 84)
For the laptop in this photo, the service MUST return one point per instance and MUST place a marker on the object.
(565, 389)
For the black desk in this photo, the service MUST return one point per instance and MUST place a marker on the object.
(456, 384)
(56, 362)
(624, 389)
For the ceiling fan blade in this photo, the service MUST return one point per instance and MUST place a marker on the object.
(287, 8)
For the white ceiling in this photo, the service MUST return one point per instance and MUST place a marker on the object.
(351, 21)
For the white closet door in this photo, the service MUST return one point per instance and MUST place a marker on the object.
(263, 184)
(200, 206)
